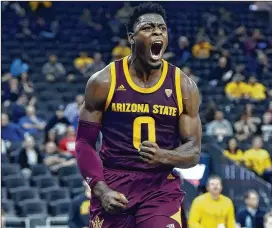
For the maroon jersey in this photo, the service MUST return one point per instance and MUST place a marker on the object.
(134, 114)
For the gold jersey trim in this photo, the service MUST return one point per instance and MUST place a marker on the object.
(178, 89)
(140, 89)
(112, 85)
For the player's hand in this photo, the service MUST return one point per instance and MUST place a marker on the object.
(113, 202)
(151, 153)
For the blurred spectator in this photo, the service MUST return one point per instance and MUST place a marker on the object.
(58, 122)
(34, 5)
(258, 159)
(266, 127)
(209, 112)
(256, 90)
(15, 6)
(184, 51)
(54, 160)
(251, 215)
(51, 136)
(245, 127)
(120, 51)
(17, 109)
(53, 69)
(10, 131)
(219, 127)
(249, 111)
(264, 69)
(45, 29)
(212, 209)
(79, 209)
(24, 29)
(221, 37)
(83, 61)
(68, 143)
(19, 66)
(233, 152)
(72, 110)
(202, 49)
(95, 66)
(11, 91)
(86, 18)
(29, 155)
(236, 89)
(31, 123)
(188, 72)
(221, 72)
(268, 220)
(123, 14)
(26, 83)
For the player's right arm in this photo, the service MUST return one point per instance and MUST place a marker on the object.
(90, 118)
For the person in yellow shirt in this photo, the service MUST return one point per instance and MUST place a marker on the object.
(212, 209)
(202, 50)
(121, 51)
(236, 88)
(256, 90)
(256, 158)
(82, 61)
(233, 152)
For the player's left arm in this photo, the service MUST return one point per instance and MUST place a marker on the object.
(190, 130)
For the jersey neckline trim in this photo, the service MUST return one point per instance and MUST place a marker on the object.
(140, 89)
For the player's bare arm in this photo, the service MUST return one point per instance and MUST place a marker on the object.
(190, 130)
(91, 112)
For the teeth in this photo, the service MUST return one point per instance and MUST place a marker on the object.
(157, 42)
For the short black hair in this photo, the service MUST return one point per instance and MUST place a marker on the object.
(144, 8)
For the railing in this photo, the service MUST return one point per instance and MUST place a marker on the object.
(37, 222)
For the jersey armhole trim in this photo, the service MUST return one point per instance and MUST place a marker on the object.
(112, 85)
(178, 89)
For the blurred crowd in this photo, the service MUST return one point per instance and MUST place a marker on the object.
(247, 85)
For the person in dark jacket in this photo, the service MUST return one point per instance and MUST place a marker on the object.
(29, 155)
(251, 216)
(58, 122)
(79, 209)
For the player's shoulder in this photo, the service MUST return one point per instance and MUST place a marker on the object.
(201, 198)
(100, 78)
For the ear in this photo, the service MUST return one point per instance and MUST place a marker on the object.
(131, 38)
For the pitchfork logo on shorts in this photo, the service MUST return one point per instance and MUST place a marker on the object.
(170, 226)
(97, 223)
(168, 92)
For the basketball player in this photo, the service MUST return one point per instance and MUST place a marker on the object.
(147, 110)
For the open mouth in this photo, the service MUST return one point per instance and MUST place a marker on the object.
(156, 49)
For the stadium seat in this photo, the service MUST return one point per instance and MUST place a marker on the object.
(60, 207)
(46, 182)
(39, 171)
(3, 193)
(8, 207)
(10, 170)
(33, 207)
(56, 194)
(24, 193)
(13, 183)
(66, 171)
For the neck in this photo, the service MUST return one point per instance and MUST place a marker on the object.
(141, 69)
(215, 196)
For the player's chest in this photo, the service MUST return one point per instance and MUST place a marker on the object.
(161, 103)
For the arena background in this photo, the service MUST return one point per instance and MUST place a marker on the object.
(214, 43)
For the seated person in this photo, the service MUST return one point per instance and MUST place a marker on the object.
(233, 152)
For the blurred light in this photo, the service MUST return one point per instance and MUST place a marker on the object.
(253, 7)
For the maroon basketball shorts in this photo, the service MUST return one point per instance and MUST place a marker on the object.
(154, 201)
